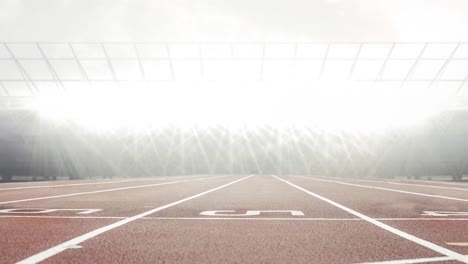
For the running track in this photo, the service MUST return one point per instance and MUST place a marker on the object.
(234, 219)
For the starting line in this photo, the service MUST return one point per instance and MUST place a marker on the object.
(231, 218)
(233, 214)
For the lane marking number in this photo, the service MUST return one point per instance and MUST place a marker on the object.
(249, 212)
(45, 211)
(444, 213)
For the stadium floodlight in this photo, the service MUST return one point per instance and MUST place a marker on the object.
(330, 106)
(335, 86)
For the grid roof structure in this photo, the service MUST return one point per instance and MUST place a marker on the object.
(32, 69)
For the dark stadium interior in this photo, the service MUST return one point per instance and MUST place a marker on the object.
(36, 148)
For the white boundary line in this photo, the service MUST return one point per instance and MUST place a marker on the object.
(41, 256)
(435, 181)
(106, 190)
(402, 183)
(62, 217)
(385, 189)
(411, 261)
(230, 218)
(430, 186)
(72, 184)
(419, 241)
(97, 181)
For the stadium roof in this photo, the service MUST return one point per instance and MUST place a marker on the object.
(36, 69)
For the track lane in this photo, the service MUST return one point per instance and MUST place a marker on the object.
(20, 184)
(386, 189)
(45, 194)
(121, 202)
(256, 241)
(69, 183)
(463, 184)
(262, 193)
(430, 189)
(73, 243)
(34, 184)
(383, 204)
(49, 232)
(22, 237)
(249, 241)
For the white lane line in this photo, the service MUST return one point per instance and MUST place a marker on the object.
(416, 182)
(73, 184)
(231, 218)
(89, 183)
(441, 182)
(411, 261)
(41, 256)
(401, 183)
(83, 180)
(417, 240)
(183, 218)
(385, 189)
(103, 191)
(430, 186)
(63, 217)
(304, 219)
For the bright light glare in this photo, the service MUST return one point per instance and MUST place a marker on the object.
(330, 108)
(149, 109)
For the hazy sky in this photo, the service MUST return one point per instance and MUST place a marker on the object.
(233, 20)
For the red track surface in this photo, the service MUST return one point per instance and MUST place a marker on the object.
(158, 220)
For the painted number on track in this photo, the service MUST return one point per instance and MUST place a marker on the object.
(44, 211)
(250, 212)
(444, 213)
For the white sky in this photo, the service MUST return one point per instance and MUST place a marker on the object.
(233, 20)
